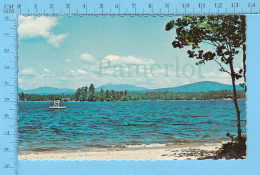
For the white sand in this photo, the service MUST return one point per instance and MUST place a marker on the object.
(143, 153)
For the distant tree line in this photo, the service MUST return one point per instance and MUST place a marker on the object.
(89, 94)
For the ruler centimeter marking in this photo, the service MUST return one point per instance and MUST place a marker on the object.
(9, 46)
(8, 100)
(133, 8)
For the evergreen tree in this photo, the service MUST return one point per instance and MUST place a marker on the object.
(107, 96)
(91, 96)
(22, 97)
(77, 94)
(113, 95)
(85, 93)
(102, 96)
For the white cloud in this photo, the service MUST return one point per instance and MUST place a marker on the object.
(72, 71)
(87, 57)
(31, 27)
(126, 65)
(112, 57)
(55, 40)
(128, 60)
(63, 78)
(80, 71)
(224, 75)
(28, 71)
(46, 70)
(68, 60)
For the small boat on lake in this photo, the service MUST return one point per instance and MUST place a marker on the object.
(56, 105)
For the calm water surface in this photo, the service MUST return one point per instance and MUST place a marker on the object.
(86, 125)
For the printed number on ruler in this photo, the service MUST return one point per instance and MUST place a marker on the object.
(8, 119)
(130, 8)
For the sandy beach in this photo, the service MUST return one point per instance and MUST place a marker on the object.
(178, 152)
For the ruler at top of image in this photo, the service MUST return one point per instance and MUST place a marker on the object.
(143, 8)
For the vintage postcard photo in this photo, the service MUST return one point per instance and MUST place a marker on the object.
(132, 88)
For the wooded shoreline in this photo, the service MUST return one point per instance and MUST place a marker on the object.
(134, 96)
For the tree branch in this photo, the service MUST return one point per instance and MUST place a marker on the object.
(223, 69)
(209, 43)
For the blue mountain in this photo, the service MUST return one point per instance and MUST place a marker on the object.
(120, 87)
(47, 90)
(202, 86)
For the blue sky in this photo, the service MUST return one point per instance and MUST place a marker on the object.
(71, 52)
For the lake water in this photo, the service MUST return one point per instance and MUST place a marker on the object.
(85, 125)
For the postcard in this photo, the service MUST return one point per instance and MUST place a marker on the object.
(132, 88)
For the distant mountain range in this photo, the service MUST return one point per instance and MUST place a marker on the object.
(121, 87)
(47, 90)
(202, 86)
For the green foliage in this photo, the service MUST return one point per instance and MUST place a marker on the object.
(236, 139)
(133, 96)
(124, 98)
(77, 95)
(22, 96)
(35, 97)
(91, 96)
(224, 33)
(226, 36)
(236, 149)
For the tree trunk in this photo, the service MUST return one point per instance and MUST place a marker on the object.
(244, 65)
(235, 100)
(243, 26)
